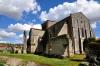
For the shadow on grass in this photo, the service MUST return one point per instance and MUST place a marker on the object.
(78, 60)
(50, 56)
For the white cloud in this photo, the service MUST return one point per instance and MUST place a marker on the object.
(22, 27)
(5, 34)
(90, 8)
(1, 41)
(21, 36)
(37, 26)
(15, 8)
(97, 37)
(36, 11)
(18, 27)
(93, 25)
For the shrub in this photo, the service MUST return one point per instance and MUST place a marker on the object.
(98, 41)
(91, 39)
(84, 64)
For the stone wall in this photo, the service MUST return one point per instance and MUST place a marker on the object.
(47, 24)
(64, 29)
(35, 36)
(58, 46)
(49, 40)
(80, 30)
(25, 42)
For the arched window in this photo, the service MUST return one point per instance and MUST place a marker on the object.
(82, 30)
(90, 33)
(85, 33)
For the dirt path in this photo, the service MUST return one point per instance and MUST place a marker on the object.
(10, 61)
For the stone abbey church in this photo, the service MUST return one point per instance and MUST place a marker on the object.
(64, 38)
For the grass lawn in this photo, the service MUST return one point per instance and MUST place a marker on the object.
(73, 61)
(1, 64)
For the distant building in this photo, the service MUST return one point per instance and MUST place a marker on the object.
(64, 38)
(12, 48)
(18, 48)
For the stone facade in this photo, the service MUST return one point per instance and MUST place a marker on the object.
(64, 38)
(35, 37)
(25, 42)
(55, 43)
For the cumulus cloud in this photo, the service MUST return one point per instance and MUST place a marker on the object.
(37, 10)
(37, 26)
(21, 36)
(15, 8)
(22, 27)
(90, 8)
(93, 25)
(18, 27)
(5, 34)
(1, 41)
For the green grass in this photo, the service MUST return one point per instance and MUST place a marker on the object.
(73, 61)
(76, 60)
(1, 64)
(39, 59)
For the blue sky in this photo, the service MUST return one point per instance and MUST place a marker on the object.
(19, 15)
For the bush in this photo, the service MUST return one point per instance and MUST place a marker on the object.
(88, 40)
(91, 39)
(84, 64)
(98, 41)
